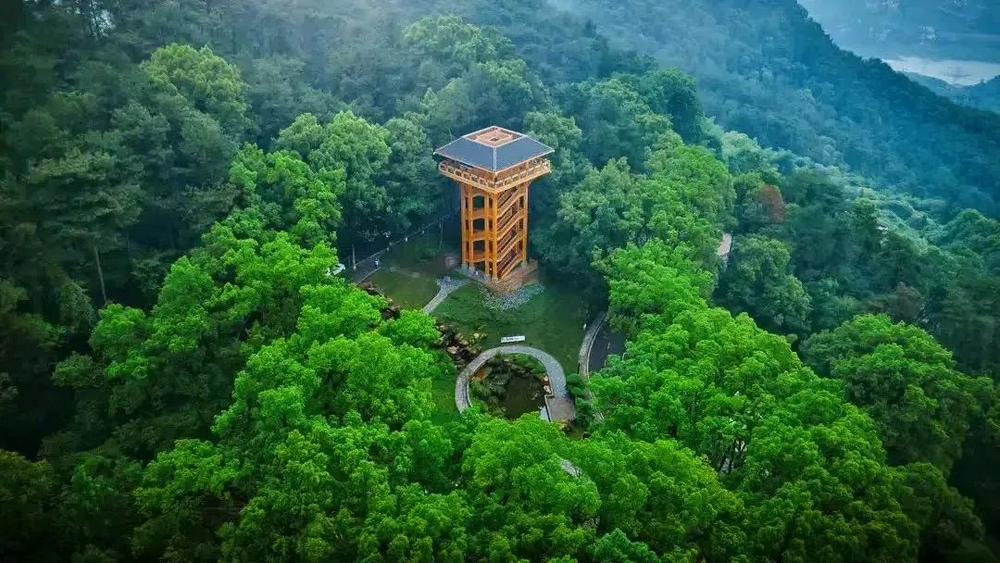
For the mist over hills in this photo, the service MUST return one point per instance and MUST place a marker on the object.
(950, 29)
(767, 69)
(190, 372)
(985, 95)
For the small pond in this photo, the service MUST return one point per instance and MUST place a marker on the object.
(510, 386)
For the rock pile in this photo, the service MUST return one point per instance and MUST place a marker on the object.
(391, 311)
(460, 348)
(512, 300)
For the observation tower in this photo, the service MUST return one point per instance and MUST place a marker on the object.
(494, 168)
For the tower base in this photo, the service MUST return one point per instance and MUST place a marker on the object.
(525, 274)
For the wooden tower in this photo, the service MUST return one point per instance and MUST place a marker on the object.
(494, 168)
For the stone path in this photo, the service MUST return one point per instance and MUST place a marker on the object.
(562, 408)
(587, 351)
(447, 287)
(606, 343)
(588, 344)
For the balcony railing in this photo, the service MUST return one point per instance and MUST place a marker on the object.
(467, 175)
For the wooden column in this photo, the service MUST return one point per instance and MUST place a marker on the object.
(466, 217)
(524, 236)
(491, 239)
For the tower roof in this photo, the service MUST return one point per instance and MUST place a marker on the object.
(493, 149)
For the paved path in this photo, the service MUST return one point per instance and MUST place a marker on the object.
(607, 343)
(447, 285)
(587, 350)
(364, 270)
(557, 377)
(583, 361)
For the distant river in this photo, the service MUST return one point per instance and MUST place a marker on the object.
(961, 73)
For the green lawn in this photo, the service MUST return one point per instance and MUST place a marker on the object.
(443, 391)
(424, 254)
(551, 321)
(407, 291)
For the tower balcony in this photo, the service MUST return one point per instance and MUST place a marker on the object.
(495, 183)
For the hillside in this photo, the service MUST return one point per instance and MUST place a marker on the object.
(768, 70)
(950, 29)
(985, 95)
(194, 367)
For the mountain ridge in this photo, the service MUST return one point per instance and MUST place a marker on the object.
(771, 71)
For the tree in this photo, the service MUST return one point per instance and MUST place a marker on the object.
(284, 479)
(206, 80)
(603, 212)
(163, 375)
(360, 149)
(28, 492)
(616, 121)
(646, 500)
(656, 279)
(413, 187)
(951, 530)
(743, 399)
(28, 347)
(517, 482)
(307, 200)
(446, 46)
(759, 282)
(684, 196)
(277, 93)
(908, 384)
(94, 218)
(670, 92)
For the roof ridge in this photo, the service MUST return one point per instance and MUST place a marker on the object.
(469, 136)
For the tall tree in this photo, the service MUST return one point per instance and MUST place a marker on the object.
(907, 382)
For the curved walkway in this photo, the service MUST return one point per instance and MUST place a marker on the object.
(447, 286)
(586, 351)
(588, 344)
(557, 380)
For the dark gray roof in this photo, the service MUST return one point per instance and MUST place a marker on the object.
(494, 159)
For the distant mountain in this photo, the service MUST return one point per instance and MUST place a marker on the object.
(942, 29)
(985, 95)
(936, 85)
(765, 68)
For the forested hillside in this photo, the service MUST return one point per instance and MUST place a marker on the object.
(183, 378)
(765, 69)
(942, 29)
(985, 95)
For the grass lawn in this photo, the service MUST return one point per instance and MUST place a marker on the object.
(551, 321)
(443, 391)
(407, 291)
(424, 254)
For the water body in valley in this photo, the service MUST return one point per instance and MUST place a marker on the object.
(959, 73)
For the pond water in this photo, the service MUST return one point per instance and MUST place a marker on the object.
(523, 397)
(510, 388)
(960, 73)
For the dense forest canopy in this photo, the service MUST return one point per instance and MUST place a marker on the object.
(766, 69)
(183, 379)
